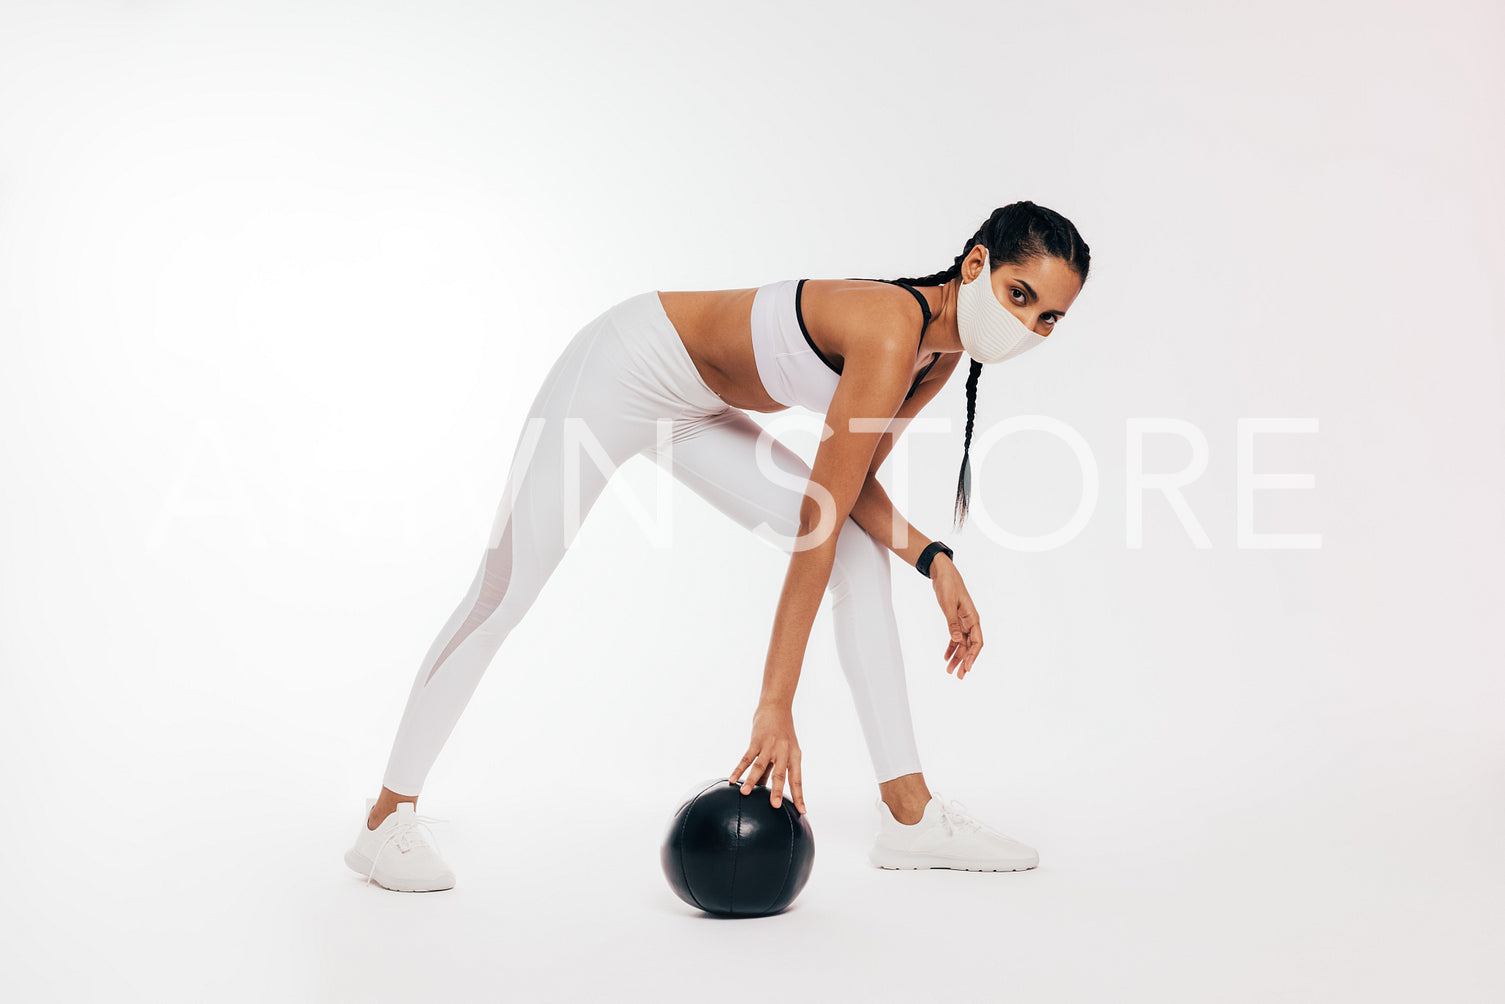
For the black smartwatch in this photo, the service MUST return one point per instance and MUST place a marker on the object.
(928, 555)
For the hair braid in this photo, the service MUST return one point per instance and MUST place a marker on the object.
(1013, 234)
(964, 479)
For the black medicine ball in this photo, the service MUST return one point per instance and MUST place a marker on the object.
(736, 855)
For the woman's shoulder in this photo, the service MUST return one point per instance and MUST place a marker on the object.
(858, 312)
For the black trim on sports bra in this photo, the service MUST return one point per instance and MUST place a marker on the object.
(924, 306)
(799, 316)
(915, 386)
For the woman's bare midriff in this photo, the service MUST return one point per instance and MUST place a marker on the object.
(716, 327)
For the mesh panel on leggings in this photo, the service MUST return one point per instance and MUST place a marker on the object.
(493, 587)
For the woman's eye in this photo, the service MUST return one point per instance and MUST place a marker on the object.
(1012, 291)
(1052, 320)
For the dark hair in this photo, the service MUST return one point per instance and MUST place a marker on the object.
(1017, 233)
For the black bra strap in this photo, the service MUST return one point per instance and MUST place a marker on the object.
(924, 306)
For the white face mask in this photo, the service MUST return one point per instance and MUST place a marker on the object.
(989, 331)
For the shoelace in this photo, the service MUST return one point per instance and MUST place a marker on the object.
(954, 816)
(407, 836)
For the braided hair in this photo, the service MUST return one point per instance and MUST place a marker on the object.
(1014, 234)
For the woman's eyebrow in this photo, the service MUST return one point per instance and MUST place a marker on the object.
(1036, 296)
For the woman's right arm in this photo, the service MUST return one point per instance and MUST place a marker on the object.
(872, 385)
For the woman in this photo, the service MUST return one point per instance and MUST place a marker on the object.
(864, 352)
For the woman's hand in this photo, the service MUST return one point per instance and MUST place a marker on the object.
(772, 753)
(961, 616)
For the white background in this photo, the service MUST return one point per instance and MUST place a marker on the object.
(278, 281)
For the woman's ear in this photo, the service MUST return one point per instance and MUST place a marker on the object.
(973, 263)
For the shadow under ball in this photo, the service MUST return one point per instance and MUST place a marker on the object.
(735, 855)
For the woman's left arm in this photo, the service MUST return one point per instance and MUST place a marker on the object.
(876, 513)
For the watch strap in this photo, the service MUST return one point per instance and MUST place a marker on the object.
(928, 555)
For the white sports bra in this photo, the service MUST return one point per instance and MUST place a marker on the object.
(793, 370)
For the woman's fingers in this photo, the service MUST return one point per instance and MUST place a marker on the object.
(974, 642)
(741, 766)
(753, 774)
(966, 650)
(976, 649)
(955, 609)
(759, 773)
(773, 769)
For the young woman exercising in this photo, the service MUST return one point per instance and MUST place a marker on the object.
(682, 369)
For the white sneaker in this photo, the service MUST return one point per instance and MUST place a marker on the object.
(946, 837)
(400, 854)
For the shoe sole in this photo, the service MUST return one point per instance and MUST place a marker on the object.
(361, 865)
(906, 862)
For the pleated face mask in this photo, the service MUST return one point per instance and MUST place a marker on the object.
(989, 331)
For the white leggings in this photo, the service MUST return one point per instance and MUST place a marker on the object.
(621, 373)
